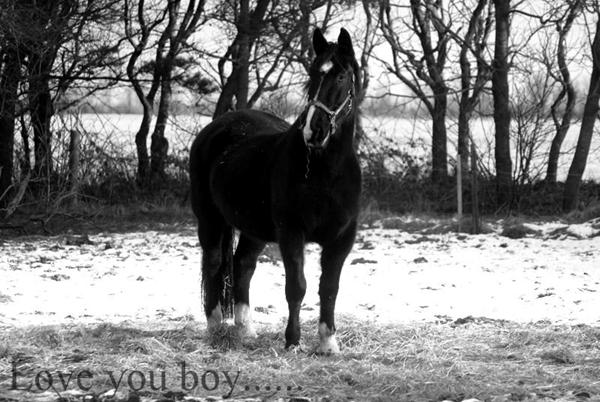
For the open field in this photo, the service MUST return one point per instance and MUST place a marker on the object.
(424, 314)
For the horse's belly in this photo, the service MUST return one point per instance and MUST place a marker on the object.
(325, 226)
(327, 216)
(253, 220)
(241, 194)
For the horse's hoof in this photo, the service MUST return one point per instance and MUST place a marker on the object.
(246, 331)
(213, 326)
(295, 349)
(215, 319)
(243, 321)
(328, 346)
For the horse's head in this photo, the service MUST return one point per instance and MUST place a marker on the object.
(331, 88)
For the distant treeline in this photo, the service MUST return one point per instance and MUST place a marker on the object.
(517, 62)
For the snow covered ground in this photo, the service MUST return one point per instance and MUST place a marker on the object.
(390, 276)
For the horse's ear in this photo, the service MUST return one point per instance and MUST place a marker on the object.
(319, 42)
(345, 43)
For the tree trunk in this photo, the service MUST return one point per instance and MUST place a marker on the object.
(41, 111)
(9, 82)
(25, 161)
(469, 90)
(439, 148)
(501, 103)
(562, 127)
(141, 145)
(306, 50)
(160, 145)
(590, 113)
(237, 83)
(464, 135)
(559, 137)
(141, 137)
(225, 101)
(464, 132)
(364, 70)
(243, 61)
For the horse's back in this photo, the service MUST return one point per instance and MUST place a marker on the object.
(258, 130)
(226, 130)
(240, 124)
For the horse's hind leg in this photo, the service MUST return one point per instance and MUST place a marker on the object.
(332, 259)
(244, 264)
(212, 233)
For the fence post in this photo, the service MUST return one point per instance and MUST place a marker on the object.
(74, 159)
(459, 200)
(474, 190)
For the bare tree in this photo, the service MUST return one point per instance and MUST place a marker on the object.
(10, 69)
(567, 96)
(41, 41)
(422, 70)
(369, 41)
(139, 41)
(473, 45)
(59, 51)
(500, 92)
(590, 113)
(173, 26)
(270, 42)
(248, 24)
(180, 27)
(52, 40)
(530, 104)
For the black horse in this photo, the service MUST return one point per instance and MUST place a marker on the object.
(274, 182)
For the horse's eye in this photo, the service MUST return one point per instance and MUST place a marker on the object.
(341, 78)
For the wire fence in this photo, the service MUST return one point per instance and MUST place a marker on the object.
(394, 153)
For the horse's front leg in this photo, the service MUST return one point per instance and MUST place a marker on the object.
(291, 245)
(333, 256)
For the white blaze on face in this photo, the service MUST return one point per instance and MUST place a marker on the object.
(216, 317)
(328, 343)
(307, 131)
(243, 321)
(325, 67)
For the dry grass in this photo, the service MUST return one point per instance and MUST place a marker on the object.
(472, 358)
(589, 212)
(422, 223)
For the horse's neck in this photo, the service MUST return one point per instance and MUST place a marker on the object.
(347, 133)
(336, 153)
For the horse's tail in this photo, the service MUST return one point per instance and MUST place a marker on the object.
(226, 272)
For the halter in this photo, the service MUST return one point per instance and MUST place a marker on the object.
(332, 115)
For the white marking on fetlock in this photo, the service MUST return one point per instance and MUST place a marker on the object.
(295, 349)
(328, 344)
(215, 318)
(243, 320)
